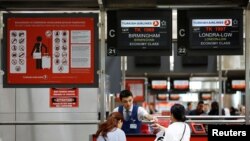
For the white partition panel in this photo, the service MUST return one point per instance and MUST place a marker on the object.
(7, 132)
(7, 101)
(55, 132)
(33, 104)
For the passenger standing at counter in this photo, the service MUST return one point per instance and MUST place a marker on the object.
(215, 109)
(132, 114)
(178, 130)
(198, 110)
(110, 130)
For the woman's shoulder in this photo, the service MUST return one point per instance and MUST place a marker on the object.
(116, 132)
(120, 131)
(177, 124)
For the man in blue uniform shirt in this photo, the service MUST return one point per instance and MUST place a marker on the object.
(133, 114)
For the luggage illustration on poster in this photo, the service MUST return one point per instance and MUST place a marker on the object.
(46, 61)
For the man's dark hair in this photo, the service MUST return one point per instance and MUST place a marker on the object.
(178, 111)
(189, 103)
(125, 93)
(200, 102)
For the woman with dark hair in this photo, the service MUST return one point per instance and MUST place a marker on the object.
(110, 130)
(214, 108)
(178, 130)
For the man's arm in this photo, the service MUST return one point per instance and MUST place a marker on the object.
(146, 115)
(151, 118)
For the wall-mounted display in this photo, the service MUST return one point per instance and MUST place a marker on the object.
(137, 87)
(162, 97)
(179, 85)
(238, 84)
(235, 84)
(159, 84)
(44, 50)
(210, 32)
(139, 32)
(188, 61)
(206, 96)
(174, 96)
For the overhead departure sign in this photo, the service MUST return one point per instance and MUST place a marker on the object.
(210, 32)
(147, 31)
(143, 34)
(215, 33)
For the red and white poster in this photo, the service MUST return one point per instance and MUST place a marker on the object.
(64, 97)
(137, 87)
(51, 49)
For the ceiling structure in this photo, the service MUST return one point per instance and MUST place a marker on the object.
(62, 5)
(9, 5)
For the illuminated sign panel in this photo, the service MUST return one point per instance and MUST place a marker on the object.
(210, 31)
(215, 33)
(159, 84)
(140, 30)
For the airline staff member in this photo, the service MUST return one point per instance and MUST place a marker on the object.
(133, 114)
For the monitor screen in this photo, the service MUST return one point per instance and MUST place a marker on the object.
(194, 60)
(146, 61)
(159, 84)
(161, 96)
(139, 29)
(174, 96)
(216, 29)
(238, 84)
(144, 29)
(206, 96)
(181, 84)
(198, 127)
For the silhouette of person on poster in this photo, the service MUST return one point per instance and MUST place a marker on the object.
(37, 52)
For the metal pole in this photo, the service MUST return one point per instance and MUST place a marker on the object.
(247, 57)
(220, 86)
(102, 94)
(123, 72)
(146, 90)
(1, 37)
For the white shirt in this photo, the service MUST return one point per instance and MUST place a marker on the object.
(175, 130)
(141, 113)
(115, 135)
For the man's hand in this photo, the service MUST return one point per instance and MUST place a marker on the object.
(154, 119)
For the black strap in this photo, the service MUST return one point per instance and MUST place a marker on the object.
(183, 131)
(104, 138)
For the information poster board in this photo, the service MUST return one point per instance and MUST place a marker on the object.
(43, 50)
(137, 87)
(64, 97)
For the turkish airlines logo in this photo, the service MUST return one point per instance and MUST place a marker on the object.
(211, 22)
(156, 23)
(140, 23)
(227, 22)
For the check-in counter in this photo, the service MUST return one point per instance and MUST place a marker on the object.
(151, 137)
